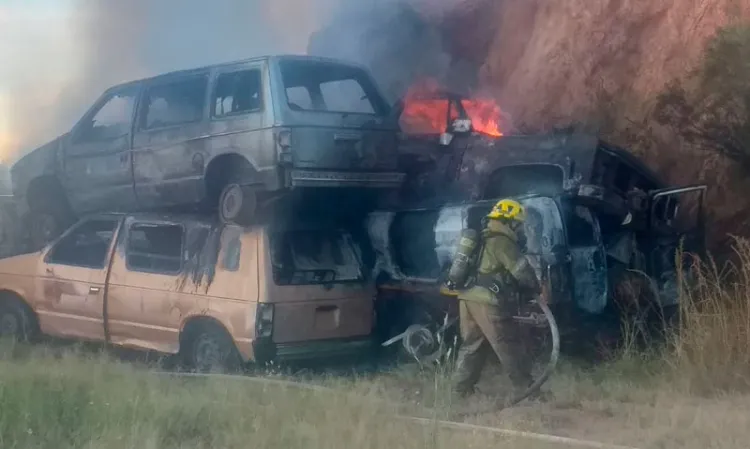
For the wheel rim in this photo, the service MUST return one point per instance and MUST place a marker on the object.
(209, 355)
(231, 202)
(9, 325)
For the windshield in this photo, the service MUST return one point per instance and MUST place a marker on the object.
(315, 257)
(328, 87)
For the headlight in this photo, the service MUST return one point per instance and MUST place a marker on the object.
(264, 320)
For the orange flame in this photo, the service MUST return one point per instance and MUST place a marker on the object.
(427, 113)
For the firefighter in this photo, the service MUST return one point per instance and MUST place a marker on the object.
(501, 277)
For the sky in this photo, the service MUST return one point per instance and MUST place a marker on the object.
(32, 31)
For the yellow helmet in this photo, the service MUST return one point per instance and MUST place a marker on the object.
(509, 209)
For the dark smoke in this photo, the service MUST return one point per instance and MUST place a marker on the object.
(402, 41)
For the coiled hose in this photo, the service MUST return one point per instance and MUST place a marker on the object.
(428, 338)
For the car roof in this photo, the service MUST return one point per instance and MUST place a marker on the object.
(277, 58)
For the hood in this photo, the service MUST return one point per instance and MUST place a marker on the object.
(21, 265)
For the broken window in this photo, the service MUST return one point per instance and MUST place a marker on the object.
(517, 180)
(113, 119)
(86, 245)
(315, 257)
(155, 248)
(326, 87)
(413, 238)
(174, 103)
(237, 93)
(581, 227)
(299, 98)
(232, 248)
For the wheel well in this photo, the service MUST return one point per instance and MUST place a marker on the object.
(43, 189)
(10, 297)
(192, 325)
(223, 169)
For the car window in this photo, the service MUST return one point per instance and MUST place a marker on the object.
(299, 97)
(346, 95)
(232, 248)
(237, 93)
(314, 257)
(327, 87)
(581, 228)
(111, 120)
(174, 103)
(155, 248)
(517, 180)
(413, 237)
(86, 245)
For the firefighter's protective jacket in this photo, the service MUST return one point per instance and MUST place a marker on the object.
(501, 257)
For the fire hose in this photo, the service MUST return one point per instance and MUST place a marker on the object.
(428, 338)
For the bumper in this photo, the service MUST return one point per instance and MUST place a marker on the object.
(266, 350)
(316, 178)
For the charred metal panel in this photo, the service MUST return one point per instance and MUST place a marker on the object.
(590, 278)
(42, 161)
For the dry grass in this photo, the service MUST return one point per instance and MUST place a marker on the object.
(712, 345)
(691, 394)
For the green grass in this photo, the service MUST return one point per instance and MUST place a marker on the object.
(80, 400)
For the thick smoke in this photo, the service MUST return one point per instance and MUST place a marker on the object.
(111, 41)
(401, 41)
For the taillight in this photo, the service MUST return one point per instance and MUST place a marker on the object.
(284, 144)
(264, 320)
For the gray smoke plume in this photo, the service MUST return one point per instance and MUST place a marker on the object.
(400, 41)
(117, 40)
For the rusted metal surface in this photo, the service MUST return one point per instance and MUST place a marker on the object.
(219, 273)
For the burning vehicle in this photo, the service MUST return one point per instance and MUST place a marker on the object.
(217, 295)
(603, 230)
(231, 137)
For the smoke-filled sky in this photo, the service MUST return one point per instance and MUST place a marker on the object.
(57, 56)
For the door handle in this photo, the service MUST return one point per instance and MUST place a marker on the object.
(124, 157)
(94, 289)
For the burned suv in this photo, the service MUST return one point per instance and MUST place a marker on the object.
(231, 136)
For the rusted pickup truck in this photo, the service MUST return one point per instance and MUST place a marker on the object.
(232, 136)
(217, 295)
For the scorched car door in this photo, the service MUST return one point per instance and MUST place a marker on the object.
(588, 260)
(70, 285)
(676, 222)
(98, 171)
(169, 146)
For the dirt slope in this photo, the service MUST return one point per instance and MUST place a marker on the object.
(546, 57)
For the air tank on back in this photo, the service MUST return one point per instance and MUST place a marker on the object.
(462, 259)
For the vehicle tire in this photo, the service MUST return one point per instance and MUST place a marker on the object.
(16, 321)
(237, 204)
(211, 350)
